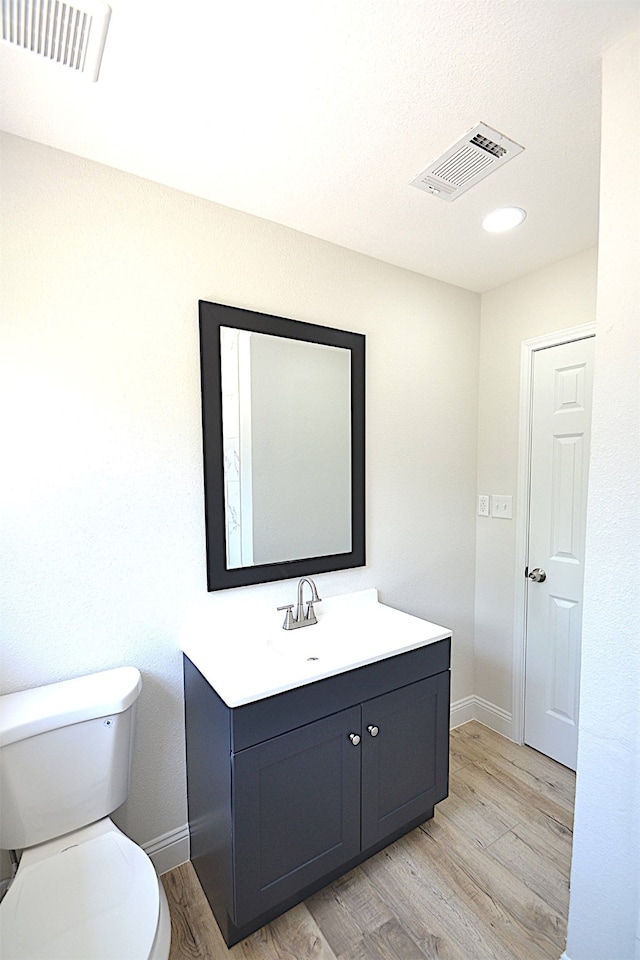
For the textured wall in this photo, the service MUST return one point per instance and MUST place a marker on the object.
(605, 879)
(103, 531)
(557, 297)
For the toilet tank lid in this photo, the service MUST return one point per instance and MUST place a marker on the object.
(30, 712)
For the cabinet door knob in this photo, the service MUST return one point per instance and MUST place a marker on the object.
(355, 739)
(374, 731)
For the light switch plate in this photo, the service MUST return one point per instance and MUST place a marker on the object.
(502, 507)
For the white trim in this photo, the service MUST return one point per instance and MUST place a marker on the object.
(476, 708)
(494, 717)
(169, 850)
(529, 347)
(462, 711)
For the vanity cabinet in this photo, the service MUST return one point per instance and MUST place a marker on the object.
(287, 793)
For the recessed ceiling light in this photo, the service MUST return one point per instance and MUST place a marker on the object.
(504, 218)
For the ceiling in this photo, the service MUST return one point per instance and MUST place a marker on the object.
(317, 114)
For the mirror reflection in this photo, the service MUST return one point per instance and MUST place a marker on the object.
(286, 428)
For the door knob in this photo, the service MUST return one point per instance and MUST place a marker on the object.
(538, 575)
(355, 739)
(374, 731)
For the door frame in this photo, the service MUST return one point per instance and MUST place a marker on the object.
(527, 355)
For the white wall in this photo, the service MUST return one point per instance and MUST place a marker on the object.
(554, 298)
(102, 504)
(605, 878)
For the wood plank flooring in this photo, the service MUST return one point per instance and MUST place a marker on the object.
(486, 879)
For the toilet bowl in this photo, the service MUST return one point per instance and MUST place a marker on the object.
(92, 889)
(83, 890)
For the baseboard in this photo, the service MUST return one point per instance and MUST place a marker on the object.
(169, 850)
(494, 717)
(476, 708)
(462, 711)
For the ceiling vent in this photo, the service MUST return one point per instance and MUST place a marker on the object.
(467, 162)
(71, 34)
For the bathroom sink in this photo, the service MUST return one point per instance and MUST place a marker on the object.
(345, 635)
(349, 631)
(256, 658)
(309, 649)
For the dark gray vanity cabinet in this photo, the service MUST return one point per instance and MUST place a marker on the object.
(287, 793)
(297, 811)
(403, 771)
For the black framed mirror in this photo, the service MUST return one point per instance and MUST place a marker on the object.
(283, 417)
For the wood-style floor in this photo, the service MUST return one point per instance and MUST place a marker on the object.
(486, 879)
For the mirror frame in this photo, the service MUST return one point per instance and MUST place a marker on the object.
(212, 317)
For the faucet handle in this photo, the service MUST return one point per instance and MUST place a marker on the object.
(310, 616)
(288, 617)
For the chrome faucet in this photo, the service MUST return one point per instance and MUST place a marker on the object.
(302, 617)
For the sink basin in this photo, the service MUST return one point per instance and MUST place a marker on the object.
(330, 638)
(297, 648)
(256, 658)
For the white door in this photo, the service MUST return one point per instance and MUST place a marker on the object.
(560, 435)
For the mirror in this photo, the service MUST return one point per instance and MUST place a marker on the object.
(283, 430)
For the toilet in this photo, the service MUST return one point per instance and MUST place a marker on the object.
(83, 890)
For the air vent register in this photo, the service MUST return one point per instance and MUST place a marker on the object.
(70, 34)
(471, 159)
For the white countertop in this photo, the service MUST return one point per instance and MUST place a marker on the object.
(247, 656)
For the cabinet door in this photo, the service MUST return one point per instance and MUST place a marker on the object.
(296, 811)
(405, 763)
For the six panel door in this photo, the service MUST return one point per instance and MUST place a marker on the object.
(561, 423)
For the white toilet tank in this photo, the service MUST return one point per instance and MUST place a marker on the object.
(65, 755)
